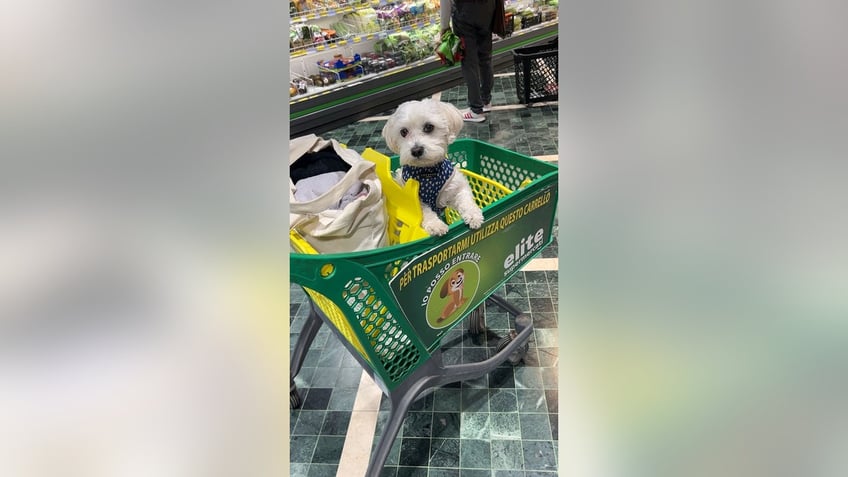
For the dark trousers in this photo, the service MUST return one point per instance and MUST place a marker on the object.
(472, 21)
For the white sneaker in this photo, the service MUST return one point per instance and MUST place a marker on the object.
(472, 117)
(487, 107)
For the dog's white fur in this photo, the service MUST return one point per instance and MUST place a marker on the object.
(446, 120)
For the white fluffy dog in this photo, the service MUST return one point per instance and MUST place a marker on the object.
(420, 132)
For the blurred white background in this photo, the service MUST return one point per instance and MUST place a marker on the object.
(143, 277)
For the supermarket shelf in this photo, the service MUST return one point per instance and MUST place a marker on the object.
(326, 12)
(358, 38)
(370, 95)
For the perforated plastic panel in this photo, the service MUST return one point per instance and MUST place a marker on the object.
(510, 175)
(337, 317)
(485, 192)
(387, 339)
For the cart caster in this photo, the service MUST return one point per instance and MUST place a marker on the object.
(294, 399)
(477, 324)
(522, 321)
(515, 357)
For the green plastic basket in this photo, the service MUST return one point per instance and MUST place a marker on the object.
(385, 302)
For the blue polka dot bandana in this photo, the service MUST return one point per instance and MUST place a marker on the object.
(431, 180)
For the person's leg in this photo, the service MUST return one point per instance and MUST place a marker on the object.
(470, 64)
(487, 74)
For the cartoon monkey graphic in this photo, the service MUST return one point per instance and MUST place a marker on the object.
(453, 288)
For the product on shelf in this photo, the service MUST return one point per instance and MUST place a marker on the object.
(343, 68)
(300, 6)
(326, 32)
(358, 22)
(407, 47)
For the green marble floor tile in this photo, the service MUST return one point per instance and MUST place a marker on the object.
(322, 470)
(503, 425)
(502, 400)
(297, 469)
(301, 448)
(444, 453)
(475, 400)
(443, 472)
(550, 378)
(316, 399)
(552, 400)
(394, 452)
(531, 358)
(417, 424)
(539, 455)
(328, 449)
(475, 454)
(528, 378)
(508, 473)
(535, 426)
(545, 320)
(331, 357)
(474, 355)
(303, 380)
(423, 404)
(546, 338)
(336, 423)
(540, 303)
(475, 425)
(531, 400)
(342, 399)
(325, 377)
(389, 471)
(507, 454)
(554, 419)
(538, 290)
(414, 452)
(475, 473)
(447, 399)
(412, 471)
(309, 423)
(446, 425)
(348, 379)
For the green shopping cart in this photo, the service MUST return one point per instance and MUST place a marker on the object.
(392, 307)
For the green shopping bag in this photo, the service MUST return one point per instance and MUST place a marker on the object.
(451, 49)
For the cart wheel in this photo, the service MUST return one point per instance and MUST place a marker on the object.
(503, 343)
(516, 356)
(477, 322)
(294, 399)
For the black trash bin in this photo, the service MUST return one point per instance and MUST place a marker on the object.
(537, 72)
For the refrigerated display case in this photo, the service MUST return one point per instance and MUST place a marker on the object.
(350, 60)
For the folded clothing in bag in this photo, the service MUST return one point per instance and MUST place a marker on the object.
(313, 187)
(336, 199)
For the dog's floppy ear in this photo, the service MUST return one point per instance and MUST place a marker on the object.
(389, 136)
(453, 118)
(444, 292)
(390, 133)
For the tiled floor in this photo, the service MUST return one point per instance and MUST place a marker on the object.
(503, 424)
(500, 425)
(531, 131)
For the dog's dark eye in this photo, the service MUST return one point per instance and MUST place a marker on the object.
(428, 128)
(404, 132)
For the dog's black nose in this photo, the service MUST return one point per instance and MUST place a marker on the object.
(417, 151)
